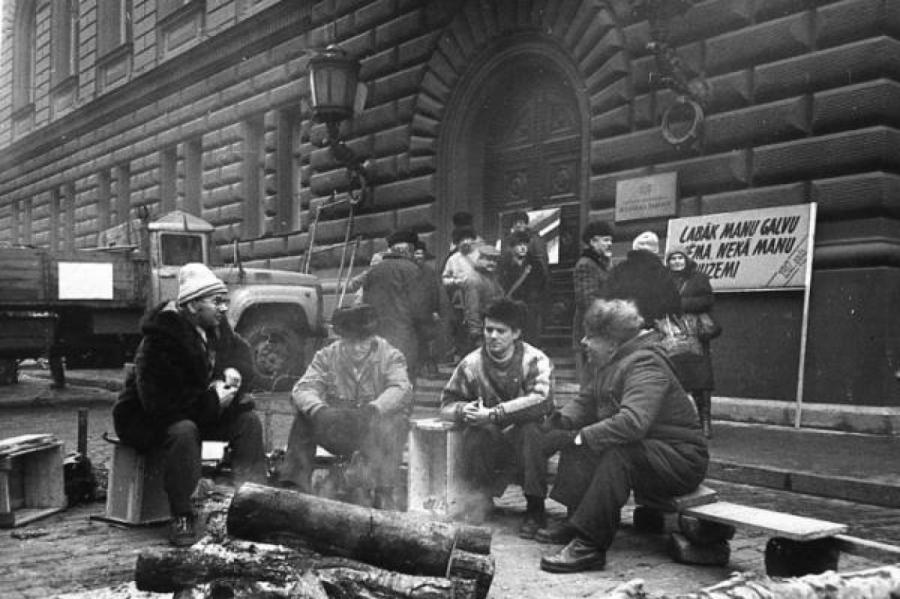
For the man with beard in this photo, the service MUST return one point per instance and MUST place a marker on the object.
(500, 394)
(354, 398)
(190, 373)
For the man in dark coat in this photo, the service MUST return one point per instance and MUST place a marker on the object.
(521, 275)
(480, 290)
(644, 279)
(187, 385)
(632, 428)
(396, 291)
(589, 280)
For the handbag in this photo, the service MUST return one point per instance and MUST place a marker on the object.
(679, 335)
(707, 326)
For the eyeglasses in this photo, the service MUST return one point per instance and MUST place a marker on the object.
(218, 301)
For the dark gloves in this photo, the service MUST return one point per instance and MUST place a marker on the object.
(339, 431)
(555, 440)
(556, 421)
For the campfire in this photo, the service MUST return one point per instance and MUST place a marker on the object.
(268, 542)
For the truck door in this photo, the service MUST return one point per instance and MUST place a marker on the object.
(170, 251)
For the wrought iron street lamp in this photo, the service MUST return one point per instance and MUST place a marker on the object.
(333, 94)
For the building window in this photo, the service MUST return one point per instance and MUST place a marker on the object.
(193, 176)
(122, 182)
(64, 41)
(24, 29)
(287, 188)
(104, 199)
(113, 25)
(168, 179)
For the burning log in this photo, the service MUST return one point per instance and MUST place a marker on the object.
(247, 569)
(391, 540)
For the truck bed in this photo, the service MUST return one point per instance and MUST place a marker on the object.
(36, 279)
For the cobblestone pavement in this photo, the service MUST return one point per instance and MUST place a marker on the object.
(70, 552)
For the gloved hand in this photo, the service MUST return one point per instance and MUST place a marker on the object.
(555, 440)
(369, 413)
(556, 421)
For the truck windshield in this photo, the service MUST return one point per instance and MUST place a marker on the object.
(178, 250)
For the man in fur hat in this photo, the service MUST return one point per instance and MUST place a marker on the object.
(396, 291)
(644, 279)
(188, 382)
(354, 399)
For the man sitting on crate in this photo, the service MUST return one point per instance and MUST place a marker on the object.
(354, 400)
(500, 394)
(190, 374)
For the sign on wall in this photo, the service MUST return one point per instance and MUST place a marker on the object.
(750, 249)
(647, 197)
(85, 280)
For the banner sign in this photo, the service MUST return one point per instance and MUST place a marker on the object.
(750, 249)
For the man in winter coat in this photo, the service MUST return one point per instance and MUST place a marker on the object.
(355, 398)
(522, 278)
(537, 247)
(632, 427)
(500, 394)
(644, 279)
(188, 382)
(396, 291)
(479, 291)
(589, 279)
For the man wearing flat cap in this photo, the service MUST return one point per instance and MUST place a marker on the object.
(354, 399)
(190, 374)
(396, 291)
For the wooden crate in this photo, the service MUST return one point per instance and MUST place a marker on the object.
(135, 493)
(435, 478)
(31, 479)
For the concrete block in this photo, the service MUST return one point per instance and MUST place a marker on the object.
(704, 532)
(754, 198)
(685, 552)
(630, 150)
(614, 122)
(867, 192)
(872, 102)
(766, 42)
(786, 558)
(836, 67)
(776, 121)
(399, 29)
(852, 20)
(859, 150)
(594, 36)
(611, 96)
(612, 70)
(728, 170)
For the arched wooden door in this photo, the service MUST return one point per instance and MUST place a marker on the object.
(533, 164)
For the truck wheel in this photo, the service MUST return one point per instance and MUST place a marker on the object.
(278, 352)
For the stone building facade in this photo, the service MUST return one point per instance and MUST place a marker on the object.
(486, 106)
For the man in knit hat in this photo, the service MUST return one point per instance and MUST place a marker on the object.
(190, 374)
(354, 400)
(645, 280)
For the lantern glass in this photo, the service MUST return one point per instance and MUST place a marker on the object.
(332, 77)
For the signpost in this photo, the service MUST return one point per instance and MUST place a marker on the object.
(754, 250)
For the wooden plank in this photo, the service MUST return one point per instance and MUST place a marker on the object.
(868, 549)
(797, 528)
(699, 496)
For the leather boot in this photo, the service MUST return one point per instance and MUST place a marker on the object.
(579, 555)
(704, 408)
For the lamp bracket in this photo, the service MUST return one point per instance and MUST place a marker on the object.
(357, 168)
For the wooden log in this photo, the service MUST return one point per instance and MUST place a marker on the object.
(472, 566)
(282, 571)
(391, 540)
(307, 587)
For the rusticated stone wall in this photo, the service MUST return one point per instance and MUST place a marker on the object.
(804, 108)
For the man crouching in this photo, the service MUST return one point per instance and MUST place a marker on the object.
(500, 393)
(354, 398)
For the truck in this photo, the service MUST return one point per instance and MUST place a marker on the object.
(83, 307)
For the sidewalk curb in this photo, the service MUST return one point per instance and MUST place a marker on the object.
(831, 486)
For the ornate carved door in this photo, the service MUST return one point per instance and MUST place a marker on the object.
(533, 162)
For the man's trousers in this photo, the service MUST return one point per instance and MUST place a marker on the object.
(494, 456)
(595, 486)
(183, 444)
(381, 445)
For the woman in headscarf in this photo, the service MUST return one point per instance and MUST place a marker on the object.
(694, 370)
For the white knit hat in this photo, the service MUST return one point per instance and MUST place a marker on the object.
(196, 280)
(647, 240)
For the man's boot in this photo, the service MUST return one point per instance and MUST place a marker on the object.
(703, 400)
(535, 517)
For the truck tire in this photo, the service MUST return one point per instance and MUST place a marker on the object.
(278, 352)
